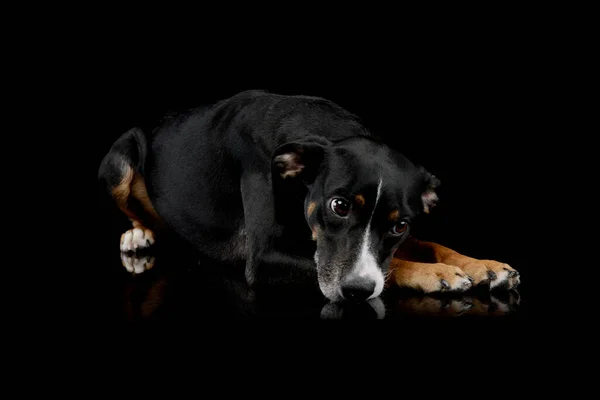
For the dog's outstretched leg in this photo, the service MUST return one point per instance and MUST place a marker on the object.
(428, 277)
(122, 171)
(417, 263)
(495, 274)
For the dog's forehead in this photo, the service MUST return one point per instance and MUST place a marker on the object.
(366, 169)
(364, 164)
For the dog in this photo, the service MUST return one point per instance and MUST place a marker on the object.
(291, 182)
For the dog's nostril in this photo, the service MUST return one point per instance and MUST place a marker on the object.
(358, 290)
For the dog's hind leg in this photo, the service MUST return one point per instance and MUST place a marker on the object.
(127, 193)
(122, 171)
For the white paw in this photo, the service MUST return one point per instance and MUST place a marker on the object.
(136, 264)
(136, 239)
(507, 278)
(501, 279)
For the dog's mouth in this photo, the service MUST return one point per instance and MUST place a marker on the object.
(331, 291)
(355, 280)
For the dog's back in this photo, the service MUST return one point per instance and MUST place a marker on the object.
(193, 161)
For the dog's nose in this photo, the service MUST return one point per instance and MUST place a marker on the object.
(358, 289)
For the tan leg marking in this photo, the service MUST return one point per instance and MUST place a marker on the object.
(428, 277)
(139, 192)
(121, 192)
(483, 272)
(129, 192)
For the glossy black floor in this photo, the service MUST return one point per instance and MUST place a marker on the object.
(165, 287)
(169, 283)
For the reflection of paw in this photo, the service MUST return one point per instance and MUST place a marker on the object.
(504, 303)
(372, 309)
(431, 278)
(137, 264)
(456, 307)
(493, 273)
(136, 239)
(434, 306)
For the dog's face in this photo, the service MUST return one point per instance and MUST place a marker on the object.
(362, 199)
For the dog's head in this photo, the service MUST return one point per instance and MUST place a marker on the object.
(362, 199)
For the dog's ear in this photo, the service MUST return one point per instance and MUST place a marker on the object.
(429, 197)
(301, 159)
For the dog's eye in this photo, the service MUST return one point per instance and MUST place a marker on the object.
(340, 206)
(399, 228)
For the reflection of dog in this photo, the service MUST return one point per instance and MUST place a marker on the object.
(252, 177)
(454, 305)
(163, 283)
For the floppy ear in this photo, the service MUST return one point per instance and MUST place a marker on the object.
(429, 197)
(300, 159)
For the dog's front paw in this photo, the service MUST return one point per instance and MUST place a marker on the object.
(507, 277)
(431, 278)
(492, 273)
(136, 239)
(137, 264)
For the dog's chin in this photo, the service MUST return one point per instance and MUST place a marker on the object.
(328, 282)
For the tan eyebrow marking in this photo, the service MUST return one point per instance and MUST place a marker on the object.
(394, 215)
(360, 200)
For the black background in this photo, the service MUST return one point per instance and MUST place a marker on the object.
(485, 97)
(468, 107)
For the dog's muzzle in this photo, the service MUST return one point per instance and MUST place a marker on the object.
(356, 288)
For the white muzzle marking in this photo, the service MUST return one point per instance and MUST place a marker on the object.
(366, 265)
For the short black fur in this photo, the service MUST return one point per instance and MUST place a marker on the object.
(213, 176)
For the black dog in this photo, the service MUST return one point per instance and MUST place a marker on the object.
(254, 177)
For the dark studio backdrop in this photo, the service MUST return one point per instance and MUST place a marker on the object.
(470, 97)
(466, 113)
